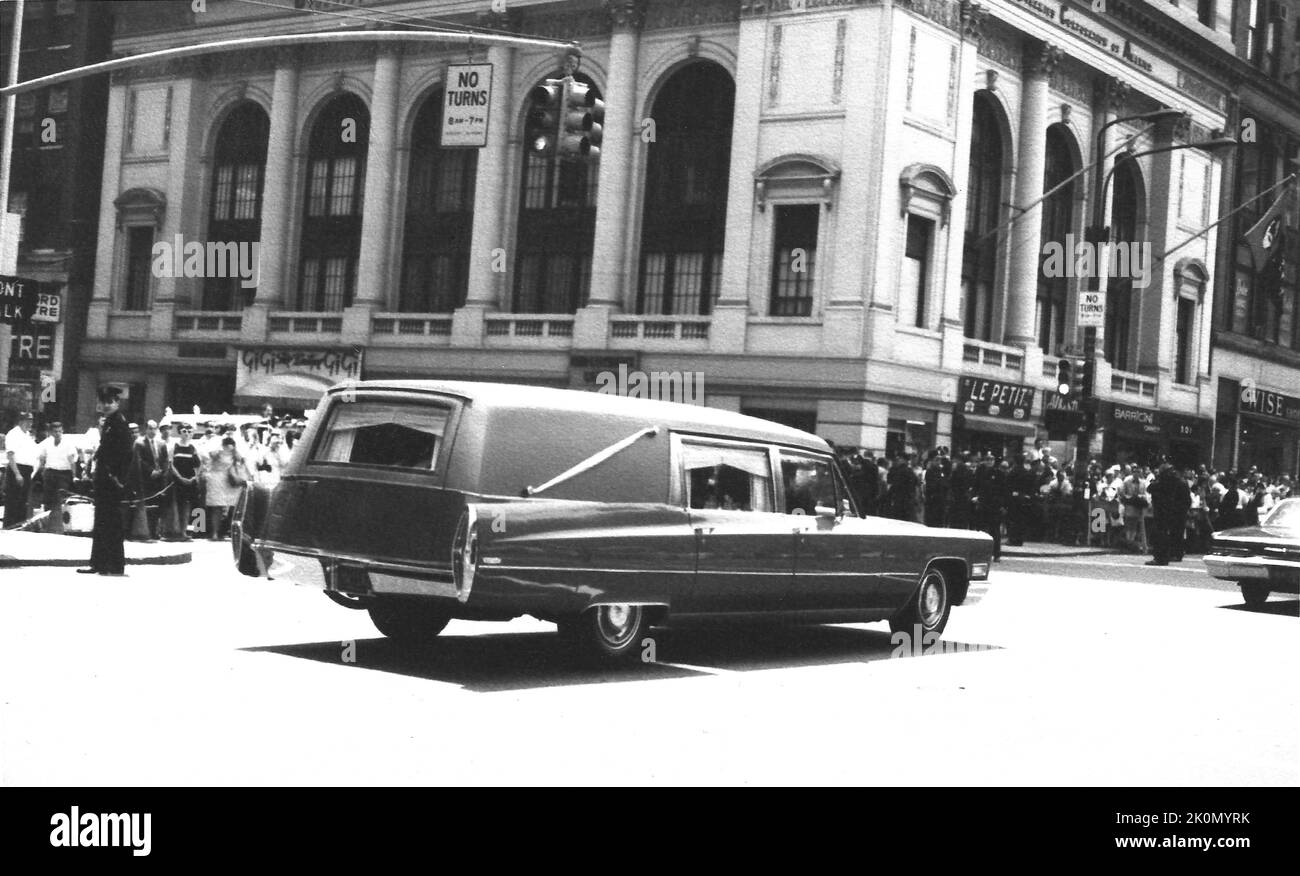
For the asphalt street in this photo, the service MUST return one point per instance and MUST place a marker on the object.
(1084, 670)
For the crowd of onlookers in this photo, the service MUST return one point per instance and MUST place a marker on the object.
(179, 465)
(1037, 497)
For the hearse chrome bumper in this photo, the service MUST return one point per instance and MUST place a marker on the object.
(354, 576)
(1252, 568)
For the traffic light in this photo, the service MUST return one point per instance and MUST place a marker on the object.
(542, 125)
(1065, 377)
(1086, 373)
(581, 121)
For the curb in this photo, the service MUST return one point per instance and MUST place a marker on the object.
(1053, 555)
(166, 560)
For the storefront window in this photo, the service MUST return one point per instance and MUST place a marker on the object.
(909, 436)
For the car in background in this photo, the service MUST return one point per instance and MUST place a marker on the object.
(424, 501)
(1262, 559)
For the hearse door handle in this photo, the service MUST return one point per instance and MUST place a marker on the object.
(701, 531)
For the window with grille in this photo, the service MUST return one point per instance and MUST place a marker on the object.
(1056, 225)
(235, 208)
(331, 234)
(139, 264)
(439, 218)
(687, 172)
(912, 292)
(983, 202)
(794, 256)
(1119, 291)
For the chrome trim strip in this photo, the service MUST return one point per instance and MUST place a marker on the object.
(1234, 568)
(369, 563)
(616, 571)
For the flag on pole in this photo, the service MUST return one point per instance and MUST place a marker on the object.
(1267, 240)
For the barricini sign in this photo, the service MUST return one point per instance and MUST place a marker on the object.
(466, 101)
(1092, 309)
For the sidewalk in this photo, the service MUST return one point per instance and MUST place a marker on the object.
(1048, 549)
(42, 549)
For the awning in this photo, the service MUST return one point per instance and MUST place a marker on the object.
(982, 423)
(292, 391)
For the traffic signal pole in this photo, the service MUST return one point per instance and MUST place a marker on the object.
(9, 260)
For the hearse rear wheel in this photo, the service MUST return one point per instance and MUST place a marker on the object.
(409, 621)
(609, 632)
(1255, 593)
(928, 608)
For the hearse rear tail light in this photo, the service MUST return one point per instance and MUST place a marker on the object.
(979, 571)
(464, 553)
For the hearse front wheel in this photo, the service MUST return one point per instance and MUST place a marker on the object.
(1255, 593)
(409, 621)
(609, 632)
(928, 608)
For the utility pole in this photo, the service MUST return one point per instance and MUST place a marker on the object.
(8, 252)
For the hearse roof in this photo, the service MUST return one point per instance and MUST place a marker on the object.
(679, 417)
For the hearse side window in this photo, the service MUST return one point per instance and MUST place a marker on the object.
(808, 482)
(729, 478)
(378, 433)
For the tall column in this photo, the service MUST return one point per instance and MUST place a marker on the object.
(277, 189)
(731, 311)
(101, 298)
(952, 324)
(180, 220)
(609, 250)
(373, 262)
(489, 233)
(1026, 230)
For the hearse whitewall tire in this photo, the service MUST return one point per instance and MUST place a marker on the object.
(929, 606)
(610, 632)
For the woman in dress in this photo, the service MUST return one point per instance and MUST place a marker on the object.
(223, 483)
(186, 471)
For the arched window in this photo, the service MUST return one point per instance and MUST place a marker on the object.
(1123, 231)
(687, 173)
(439, 217)
(1058, 216)
(235, 202)
(983, 210)
(556, 231)
(331, 228)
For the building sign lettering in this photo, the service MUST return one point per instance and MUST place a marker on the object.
(995, 398)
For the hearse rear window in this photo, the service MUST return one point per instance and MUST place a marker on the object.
(379, 433)
(729, 478)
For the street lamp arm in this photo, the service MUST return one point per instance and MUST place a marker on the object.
(289, 39)
(1216, 143)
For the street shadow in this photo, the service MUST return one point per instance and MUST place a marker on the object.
(1279, 607)
(522, 661)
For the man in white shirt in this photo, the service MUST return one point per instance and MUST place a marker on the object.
(56, 457)
(20, 460)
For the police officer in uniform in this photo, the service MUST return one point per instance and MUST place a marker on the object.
(112, 467)
(990, 500)
(1170, 500)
